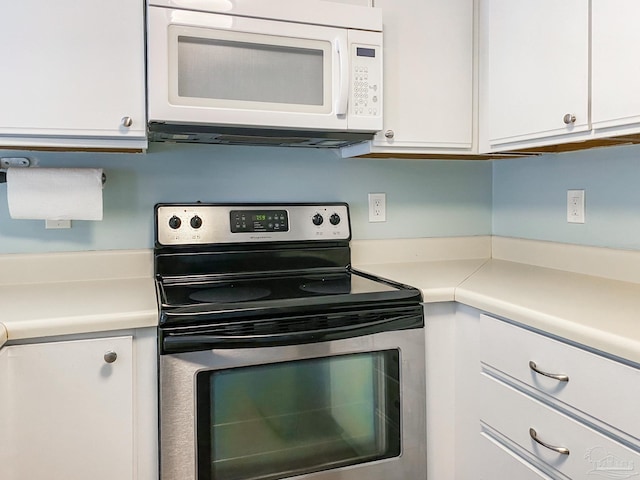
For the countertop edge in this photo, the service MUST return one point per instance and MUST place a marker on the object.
(532, 295)
(50, 327)
(3, 335)
(596, 339)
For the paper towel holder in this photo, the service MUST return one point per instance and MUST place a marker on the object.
(6, 162)
(3, 176)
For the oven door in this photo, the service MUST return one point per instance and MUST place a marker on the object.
(345, 409)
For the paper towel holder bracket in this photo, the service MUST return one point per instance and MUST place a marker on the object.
(7, 162)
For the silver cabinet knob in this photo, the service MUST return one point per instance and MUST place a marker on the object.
(127, 121)
(389, 133)
(110, 356)
(569, 118)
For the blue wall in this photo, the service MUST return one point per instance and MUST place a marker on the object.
(523, 198)
(530, 197)
(424, 198)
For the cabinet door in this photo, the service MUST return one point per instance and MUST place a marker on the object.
(65, 412)
(615, 70)
(510, 349)
(535, 71)
(428, 76)
(529, 424)
(72, 70)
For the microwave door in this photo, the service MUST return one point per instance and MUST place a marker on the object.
(206, 69)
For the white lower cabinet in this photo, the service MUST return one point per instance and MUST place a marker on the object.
(497, 462)
(560, 410)
(67, 410)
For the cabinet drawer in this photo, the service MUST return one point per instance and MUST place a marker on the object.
(496, 461)
(513, 414)
(600, 387)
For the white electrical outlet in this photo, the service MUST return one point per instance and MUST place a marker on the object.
(377, 207)
(575, 206)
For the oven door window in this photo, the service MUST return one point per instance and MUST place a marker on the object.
(285, 419)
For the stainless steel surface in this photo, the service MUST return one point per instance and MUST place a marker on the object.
(177, 374)
(556, 376)
(389, 134)
(214, 224)
(127, 121)
(110, 356)
(560, 450)
(569, 118)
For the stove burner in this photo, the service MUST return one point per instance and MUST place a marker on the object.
(229, 293)
(333, 286)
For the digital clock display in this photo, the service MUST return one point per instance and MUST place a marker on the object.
(259, 221)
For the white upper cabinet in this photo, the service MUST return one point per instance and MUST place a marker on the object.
(615, 67)
(72, 74)
(428, 76)
(534, 63)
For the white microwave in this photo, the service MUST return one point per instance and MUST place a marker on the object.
(303, 73)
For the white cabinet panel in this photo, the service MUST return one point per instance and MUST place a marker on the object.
(589, 453)
(71, 71)
(535, 71)
(595, 383)
(496, 461)
(65, 413)
(428, 76)
(615, 69)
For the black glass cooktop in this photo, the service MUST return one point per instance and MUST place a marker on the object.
(265, 289)
(202, 300)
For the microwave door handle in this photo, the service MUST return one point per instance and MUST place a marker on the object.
(343, 60)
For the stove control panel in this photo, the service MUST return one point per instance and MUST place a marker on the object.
(201, 223)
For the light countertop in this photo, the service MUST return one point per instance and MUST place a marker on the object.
(600, 312)
(437, 280)
(60, 294)
(41, 310)
(102, 291)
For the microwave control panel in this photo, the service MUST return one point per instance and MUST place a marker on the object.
(366, 80)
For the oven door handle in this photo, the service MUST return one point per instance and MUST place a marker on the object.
(173, 343)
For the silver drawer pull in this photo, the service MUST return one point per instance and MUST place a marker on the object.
(556, 376)
(561, 450)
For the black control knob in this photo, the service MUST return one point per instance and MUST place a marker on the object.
(317, 219)
(175, 222)
(196, 221)
(334, 219)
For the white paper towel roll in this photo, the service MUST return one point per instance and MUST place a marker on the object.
(55, 193)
